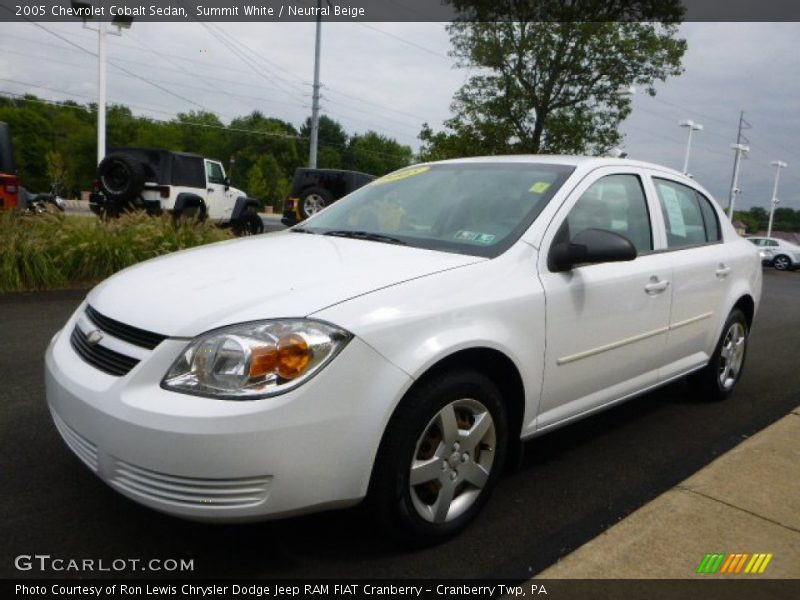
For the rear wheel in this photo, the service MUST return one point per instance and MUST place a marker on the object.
(718, 379)
(782, 262)
(440, 458)
(314, 200)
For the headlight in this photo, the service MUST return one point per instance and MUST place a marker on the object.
(255, 360)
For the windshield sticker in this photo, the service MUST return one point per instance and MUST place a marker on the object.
(474, 236)
(540, 187)
(392, 177)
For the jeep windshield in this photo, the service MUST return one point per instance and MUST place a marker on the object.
(479, 209)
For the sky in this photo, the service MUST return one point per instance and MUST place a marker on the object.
(392, 77)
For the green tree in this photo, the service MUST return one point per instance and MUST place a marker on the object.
(548, 73)
(376, 154)
(331, 142)
(256, 184)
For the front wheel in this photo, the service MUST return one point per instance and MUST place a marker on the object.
(440, 458)
(717, 380)
(249, 224)
(782, 262)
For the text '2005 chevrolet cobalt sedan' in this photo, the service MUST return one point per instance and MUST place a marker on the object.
(418, 330)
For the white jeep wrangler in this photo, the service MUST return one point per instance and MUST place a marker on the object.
(180, 183)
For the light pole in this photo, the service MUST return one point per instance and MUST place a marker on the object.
(740, 149)
(122, 22)
(778, 164)
(691, 126)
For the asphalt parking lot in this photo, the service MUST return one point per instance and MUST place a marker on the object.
(573, 484)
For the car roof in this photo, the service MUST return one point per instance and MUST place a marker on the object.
(586, 162)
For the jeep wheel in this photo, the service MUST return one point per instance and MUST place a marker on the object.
(314, 200)
(248, 224)
(121, 177)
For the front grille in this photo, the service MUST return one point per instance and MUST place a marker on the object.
(83, 448)
(100, 357)
(126, 333)
(189, 491)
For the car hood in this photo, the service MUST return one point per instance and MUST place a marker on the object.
(270, 276)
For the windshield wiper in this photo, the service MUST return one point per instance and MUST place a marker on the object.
(366, 235)
(302, 230)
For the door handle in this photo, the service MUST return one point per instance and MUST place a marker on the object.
(723, 271)
(656, 286)
(209, 189)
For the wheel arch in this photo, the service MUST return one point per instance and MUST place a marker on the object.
(186, 200)
(747, 305)
(498, 368)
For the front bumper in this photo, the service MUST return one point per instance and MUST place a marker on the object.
(218, 460)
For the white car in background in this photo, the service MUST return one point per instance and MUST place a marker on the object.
(782, 255)
(450, 311)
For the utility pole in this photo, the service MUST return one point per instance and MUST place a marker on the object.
(740, 150)
(778, 164)
(101, 94)
(740, 140)
(312, 147)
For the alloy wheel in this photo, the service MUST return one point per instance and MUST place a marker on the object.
(452, 461)
(732, 355)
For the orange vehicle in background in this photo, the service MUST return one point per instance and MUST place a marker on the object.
(9, 180)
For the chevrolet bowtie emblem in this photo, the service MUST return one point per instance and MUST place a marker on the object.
(93, 337)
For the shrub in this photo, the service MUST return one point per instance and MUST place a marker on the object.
(55, 251)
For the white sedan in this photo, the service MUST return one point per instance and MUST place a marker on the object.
(419, 330)
(782, 255)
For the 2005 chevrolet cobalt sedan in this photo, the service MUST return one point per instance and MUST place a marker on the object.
(400, 344)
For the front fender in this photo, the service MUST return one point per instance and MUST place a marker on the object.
(496, 304)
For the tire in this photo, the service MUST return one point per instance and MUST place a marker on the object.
(248, 224)
(314, 200)
(466, 473)
(782, 262)
(121, 177)
(718, 379)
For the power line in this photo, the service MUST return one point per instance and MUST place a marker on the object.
(121, 68)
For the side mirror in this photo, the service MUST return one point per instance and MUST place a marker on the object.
(590, 246)
(227, 182)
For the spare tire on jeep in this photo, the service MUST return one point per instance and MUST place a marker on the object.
(121, 177)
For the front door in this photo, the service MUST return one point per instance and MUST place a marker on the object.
(606, 324)
(218, 201)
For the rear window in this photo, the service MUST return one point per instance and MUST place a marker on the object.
(683, 215)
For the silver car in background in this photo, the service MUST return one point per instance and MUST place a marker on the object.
(782, 255)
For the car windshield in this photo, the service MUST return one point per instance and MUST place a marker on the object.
(479, 209)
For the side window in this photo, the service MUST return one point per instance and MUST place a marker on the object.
(214, 173)
(710, 218)
(616, 203)
(771, 243)
(682, 214)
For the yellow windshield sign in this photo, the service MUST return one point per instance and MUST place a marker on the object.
(391, 177)
(540, 187)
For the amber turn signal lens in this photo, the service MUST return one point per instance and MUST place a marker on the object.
(293, 356)
(263, 360)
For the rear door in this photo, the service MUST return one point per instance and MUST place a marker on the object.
(606, 324)
(702, 273)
